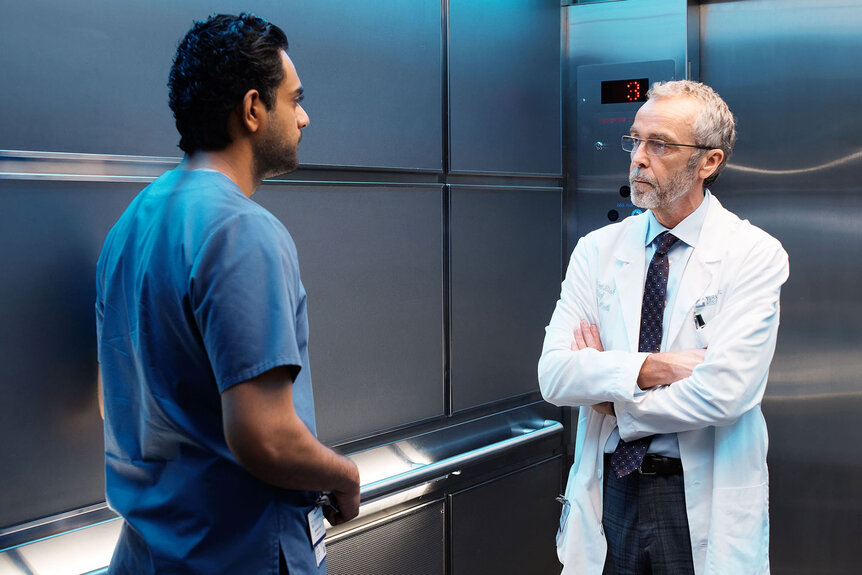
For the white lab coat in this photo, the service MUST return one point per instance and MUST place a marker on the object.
(732, 280)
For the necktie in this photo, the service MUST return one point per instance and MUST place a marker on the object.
(628, 455)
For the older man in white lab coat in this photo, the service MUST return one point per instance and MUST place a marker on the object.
(683, 385)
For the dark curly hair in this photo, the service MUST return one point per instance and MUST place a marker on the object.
(217, 62)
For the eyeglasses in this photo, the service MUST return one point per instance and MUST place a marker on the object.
(656, 148)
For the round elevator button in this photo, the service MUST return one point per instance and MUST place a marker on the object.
(613, 215)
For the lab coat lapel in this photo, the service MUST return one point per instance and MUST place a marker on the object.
(703, 265)
(630, 277)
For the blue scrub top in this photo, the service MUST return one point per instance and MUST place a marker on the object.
(198, 289)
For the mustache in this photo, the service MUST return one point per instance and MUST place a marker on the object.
(638, 174)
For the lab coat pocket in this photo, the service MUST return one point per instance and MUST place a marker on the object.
(702, 335)
(564, 519)
(739, 531)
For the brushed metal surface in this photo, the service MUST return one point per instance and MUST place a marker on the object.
(494, 523)
(371, 260)
(410, 542)
(95, 79)
(50, 431)
(504, 86)
(418, 472)
(505, 268)
(791, 72)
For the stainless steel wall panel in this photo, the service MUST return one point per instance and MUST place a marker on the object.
(493, 524)
(94, 76)
(504, 86)
(50, 430)
(505, 268)
(372, 70)
(411, 542)
(790, 71)
(629, 31)
(371, 260)
(95, 79)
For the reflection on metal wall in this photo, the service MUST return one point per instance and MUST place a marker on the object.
(50, 232)
(370, 256)
(504, 79)
(96, 76)
(505, 280)
(790, 71)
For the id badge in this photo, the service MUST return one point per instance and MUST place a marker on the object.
(317, 531)
(315, 525)
(320, 552)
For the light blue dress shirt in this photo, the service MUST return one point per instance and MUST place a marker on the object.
(688, 232)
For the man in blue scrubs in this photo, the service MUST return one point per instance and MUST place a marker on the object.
(210, 446)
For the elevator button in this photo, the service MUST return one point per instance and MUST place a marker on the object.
(625, 191)
(613, 215)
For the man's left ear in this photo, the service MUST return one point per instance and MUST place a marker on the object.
(710, 163)
(250, 111)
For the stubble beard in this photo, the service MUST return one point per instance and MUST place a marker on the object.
(657, 196)
(275, 156)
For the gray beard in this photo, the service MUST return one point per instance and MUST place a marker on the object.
(660, 196)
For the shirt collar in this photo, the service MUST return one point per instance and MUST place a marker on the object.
(687, 230)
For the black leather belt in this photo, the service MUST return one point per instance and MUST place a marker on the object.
(654, 465)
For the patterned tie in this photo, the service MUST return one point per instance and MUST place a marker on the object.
(628, 456)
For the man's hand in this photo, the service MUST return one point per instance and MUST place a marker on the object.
(605, 408)
(347, 503)
(668, 367)
(587, 335)
(268, 438)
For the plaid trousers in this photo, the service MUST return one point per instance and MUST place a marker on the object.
(646, 525)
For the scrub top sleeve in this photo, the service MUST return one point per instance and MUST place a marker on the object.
(245, 292)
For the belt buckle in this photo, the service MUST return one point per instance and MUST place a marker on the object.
(651, 465)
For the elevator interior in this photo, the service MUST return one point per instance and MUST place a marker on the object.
(451, 166)
(429, 232)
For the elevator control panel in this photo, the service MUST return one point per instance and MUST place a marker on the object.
(609, 96)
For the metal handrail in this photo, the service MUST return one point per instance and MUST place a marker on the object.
(448, 465)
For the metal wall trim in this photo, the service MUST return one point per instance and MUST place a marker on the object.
(385, 519)
(40, 165)
(448, 465)
(54, 525)
(514, 187)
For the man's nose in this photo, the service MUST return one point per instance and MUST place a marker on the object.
(302, 118)
(639, 156)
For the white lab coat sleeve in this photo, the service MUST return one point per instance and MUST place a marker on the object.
(741, 341)
(588, 376)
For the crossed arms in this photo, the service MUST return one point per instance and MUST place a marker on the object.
(657, 369)
(666, 392)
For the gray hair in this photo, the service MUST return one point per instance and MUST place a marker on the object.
(715, 126)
